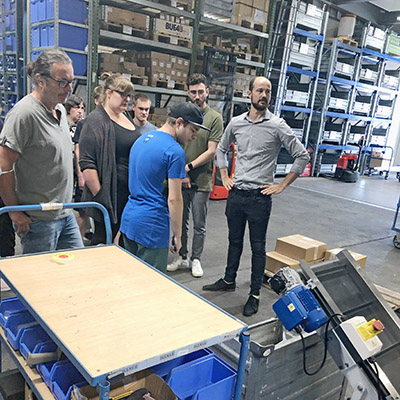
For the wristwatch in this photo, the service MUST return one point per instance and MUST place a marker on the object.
(190, 166)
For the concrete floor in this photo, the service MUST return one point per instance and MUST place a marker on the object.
(357, 216)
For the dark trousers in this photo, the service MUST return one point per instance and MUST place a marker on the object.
(255, 208)
(7, 235)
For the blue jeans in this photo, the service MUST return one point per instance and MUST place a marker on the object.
(255, 208)
(59, 234)
(198, 203)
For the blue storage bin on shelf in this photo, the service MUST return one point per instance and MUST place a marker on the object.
(79, 62)
(15, 326)
(9, 5)
(35, 55)
(35, 36)
(31, 338)
(63, 376)
(71, 37)
(9, 306)
(11, 42)
(34, 11)
(163, 369)
(41, 10)
(44, 369)
(70, 10)
(208, 378)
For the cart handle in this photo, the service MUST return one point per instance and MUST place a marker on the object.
(63, 206)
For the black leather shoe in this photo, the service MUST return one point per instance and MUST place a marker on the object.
(220, 286)
(251, 306)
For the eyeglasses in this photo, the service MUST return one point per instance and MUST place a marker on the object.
(62, 83)
(123, 95)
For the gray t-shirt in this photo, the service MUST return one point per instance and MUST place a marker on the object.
(44, 169)
(141, 130)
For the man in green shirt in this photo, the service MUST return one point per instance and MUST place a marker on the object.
(198, 183)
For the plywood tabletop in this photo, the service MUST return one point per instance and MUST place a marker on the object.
(110, 310)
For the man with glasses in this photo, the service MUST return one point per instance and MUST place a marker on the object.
(258, 136)
(199, 175)
(36, 157)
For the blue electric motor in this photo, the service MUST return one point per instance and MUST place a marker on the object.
(299, 307)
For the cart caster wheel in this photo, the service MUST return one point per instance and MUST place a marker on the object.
(386, 177)
(396, 242)
(380, 173)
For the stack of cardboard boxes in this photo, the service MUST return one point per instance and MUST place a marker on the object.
(376, 159)
(158, 116)
(289, 250)
(173, 30)
(251, 14)
(123, 62)
(163, 69)
(128, 20)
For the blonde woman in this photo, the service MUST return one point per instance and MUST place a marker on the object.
(105, 143)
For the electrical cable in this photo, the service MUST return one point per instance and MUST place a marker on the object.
(298, 330)
(375, 368)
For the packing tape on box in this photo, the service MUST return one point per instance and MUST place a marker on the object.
(307, 240)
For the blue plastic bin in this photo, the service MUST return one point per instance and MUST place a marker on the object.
(44, 369)
(15, 326)
(79, 62)
(9, 5)
(208, 378)
(34, 11)
(35, 55)
(163, 369)
(71, 37)
(11, 42)
(31, 338)
(71, 10)
(44, 35)
(63, 376)
(50, 9)
(35, 36)
(8, 307)
(41, 10)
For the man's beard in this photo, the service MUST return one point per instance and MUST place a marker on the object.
(260, 107)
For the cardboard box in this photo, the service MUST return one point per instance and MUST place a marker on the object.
(275, 261)
(261, 4)
(300, 247)
(143, 379)
(376, 159)
(172, 28)
(119, 16)
(360, 258)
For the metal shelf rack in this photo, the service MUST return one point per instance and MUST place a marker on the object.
(200, 23)
(59, 23)
(12, 46)
(355, 98)
(295, 61)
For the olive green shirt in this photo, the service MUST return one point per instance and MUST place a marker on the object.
(202, 177)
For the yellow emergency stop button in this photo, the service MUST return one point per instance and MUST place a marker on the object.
(370, 329)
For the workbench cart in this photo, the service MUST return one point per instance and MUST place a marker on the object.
(113, 315)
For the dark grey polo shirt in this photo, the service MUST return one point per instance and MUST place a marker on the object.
(258, 145)
(44, 170)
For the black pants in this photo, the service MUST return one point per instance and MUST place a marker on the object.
(7, 235)
(255, 208)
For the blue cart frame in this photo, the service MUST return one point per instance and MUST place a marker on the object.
(103, 387)
(396, 227)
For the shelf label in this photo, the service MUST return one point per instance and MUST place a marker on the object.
(368, 73)
(312, 10)
(304, 48)
(173, 40)
(127, 29)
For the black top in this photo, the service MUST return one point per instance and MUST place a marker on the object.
(124, 139)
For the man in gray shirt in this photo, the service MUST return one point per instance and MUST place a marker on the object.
(36, 157)
(258, 136)
(141, 108)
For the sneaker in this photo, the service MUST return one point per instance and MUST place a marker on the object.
(220, 285)
(251, 306)
(197, 271)
(178, 263)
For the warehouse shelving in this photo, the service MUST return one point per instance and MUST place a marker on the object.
(294, 67)
(12, 80)
(355, 99)
(201, 25)
(59, 23)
